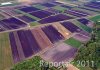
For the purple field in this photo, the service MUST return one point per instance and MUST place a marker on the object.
(86, 22)
(25, 44)
(52, 33)
(76, 13)
(12, 23)
(26, 41)
(19, 46)
(41, 14)
(14, 48)
(56, 18)
(48, 5)
(60, 53)
(70, 26)
(28, 9)
(94, 5)
(83, 21)
(26, 19)
(66, 6)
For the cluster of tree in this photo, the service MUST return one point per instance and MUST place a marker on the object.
(90, 51)
(35, 64)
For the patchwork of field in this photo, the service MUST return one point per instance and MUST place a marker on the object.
(29, 42)
(54, 31)
(25, 16)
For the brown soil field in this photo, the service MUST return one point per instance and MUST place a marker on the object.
(59, 53)
(41, 38)
(81, 38)
(66, 33)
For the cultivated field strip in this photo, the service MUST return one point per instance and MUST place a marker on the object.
(25, 43)
(86, 22)
(81, 38)
(65, 32)
(32, 15)
(19, 46)
(58, 41)
(6, 60)
(59, 53)
(41, 38)
(52, 33)
(14, 50)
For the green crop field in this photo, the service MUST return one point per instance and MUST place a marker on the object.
(82, 26)
(39, 6)
(73, 42)
(62, 9)
(95, 18)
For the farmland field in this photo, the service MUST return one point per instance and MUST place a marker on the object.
(95, 18)
(73, 42)
(41, 38)
(77, 13)
(5, 52)
(55, 18)
(81, 38)
(83, 27)
(62, 9)
(70, 26)
(53, 34)
(39, 6)
(54, 31)
(1, 17)
(61, 52)
(66, 33)
(86, 22)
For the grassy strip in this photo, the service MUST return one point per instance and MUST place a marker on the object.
(34, 23)
(70, 15)
(82, 26)
(59, 8)
(6, 58)
(27, 14)
(39, 6)
(1, 52)
(8, 53)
